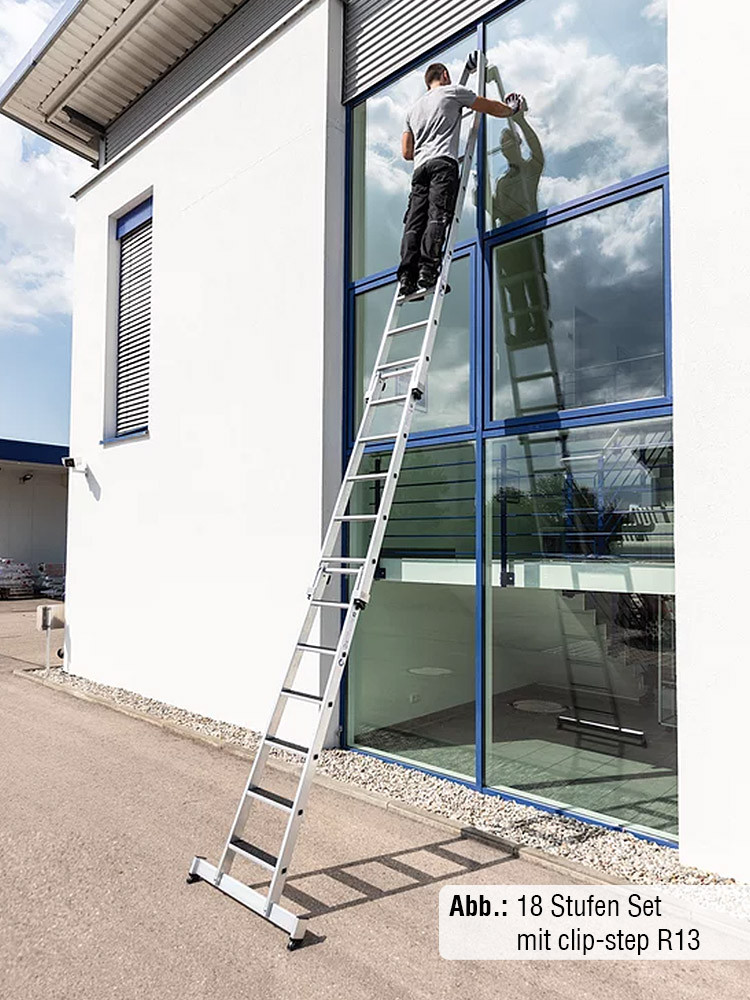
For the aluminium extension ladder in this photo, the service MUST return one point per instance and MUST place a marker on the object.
(361, 573)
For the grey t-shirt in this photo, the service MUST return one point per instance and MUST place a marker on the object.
(435, 122)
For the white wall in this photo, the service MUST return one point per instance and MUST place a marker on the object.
(190, 551)
(32, 514)
(710, 206)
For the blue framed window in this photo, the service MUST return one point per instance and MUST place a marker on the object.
(557, 332)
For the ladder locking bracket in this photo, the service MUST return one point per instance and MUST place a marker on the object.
(359, 604)
(416, 393)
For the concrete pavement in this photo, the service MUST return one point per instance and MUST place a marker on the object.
(101, 814)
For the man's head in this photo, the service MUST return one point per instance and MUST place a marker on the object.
(437, 75)
(510, 147)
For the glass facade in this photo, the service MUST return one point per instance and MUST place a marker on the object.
(520, 634)
(411, 691)
(580, 619)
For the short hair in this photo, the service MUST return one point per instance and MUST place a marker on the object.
(434, 72)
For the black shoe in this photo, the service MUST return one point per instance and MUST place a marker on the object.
(427, 280)
(407, 286)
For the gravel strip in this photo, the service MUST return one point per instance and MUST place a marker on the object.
(616, 854)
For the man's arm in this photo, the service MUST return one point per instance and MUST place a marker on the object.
(407, 145)
(532, 139)
(497, 109)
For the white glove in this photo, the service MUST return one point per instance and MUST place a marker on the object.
(516, 102)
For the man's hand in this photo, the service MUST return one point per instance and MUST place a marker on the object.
(517, 103)
(471, 62)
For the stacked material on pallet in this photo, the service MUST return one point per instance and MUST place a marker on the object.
(52, 580)
(16, 579)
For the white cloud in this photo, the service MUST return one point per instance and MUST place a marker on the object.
(655, 10)
(565, 14)
(36, 180)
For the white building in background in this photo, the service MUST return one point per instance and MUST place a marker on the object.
(235, 253)
(33, 503)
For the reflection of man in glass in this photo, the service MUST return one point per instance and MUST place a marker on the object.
(523, 283)
(430, 138)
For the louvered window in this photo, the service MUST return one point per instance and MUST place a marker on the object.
(133, 321)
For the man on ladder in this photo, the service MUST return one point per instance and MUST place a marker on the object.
(437, 132)
(430, 138)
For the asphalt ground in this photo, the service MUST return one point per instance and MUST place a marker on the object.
(101, 813)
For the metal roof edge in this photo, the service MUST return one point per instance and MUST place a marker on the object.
(40, 46)
(196, 95)
(31, 451)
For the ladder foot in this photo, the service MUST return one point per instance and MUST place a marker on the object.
(293, 943)
(192, 877)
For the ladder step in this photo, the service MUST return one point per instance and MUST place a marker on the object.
(307, 648)
(256, 792)
(367, 475)
(255, 854)
(403, 363)
(330, 604)
(396, 373)
(409, 326)
(390, 399)
(356, 517)
(368, 438)
(276, 741)
(532, 378)
(342, 559)
(343, 570)
(300, 695)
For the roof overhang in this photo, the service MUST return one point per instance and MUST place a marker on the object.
(99, 56)
(32, 453)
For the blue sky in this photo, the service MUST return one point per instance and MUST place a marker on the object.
(36, 255)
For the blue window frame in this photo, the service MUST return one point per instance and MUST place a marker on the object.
(483, 425)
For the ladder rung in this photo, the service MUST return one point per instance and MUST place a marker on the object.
(390, 399)
(276, 741)
(409, 326)
(300, 695)
(356, 517)
(531, 378)
(256, 792)
(368, 438)
(343, 559)
(307, 648)
(256, 854)
(343, 569)
(330, 604)
(367, 475)
(403, 363)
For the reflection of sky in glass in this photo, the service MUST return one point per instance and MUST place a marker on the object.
(603, 277)
(595, 78)
(594, 74)
(378, 207)
(446, 402)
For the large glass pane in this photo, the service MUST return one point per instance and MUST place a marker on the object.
(578, 312)
(595, 78)
(412, 668)
(381, 177)
(446, 401)
(580, 620)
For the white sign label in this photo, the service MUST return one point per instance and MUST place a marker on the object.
(574, 922)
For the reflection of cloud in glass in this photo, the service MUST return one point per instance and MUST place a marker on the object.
(596, 85)
(606, 318)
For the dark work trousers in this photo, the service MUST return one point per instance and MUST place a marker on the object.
(434, 187)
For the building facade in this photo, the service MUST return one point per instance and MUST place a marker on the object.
(235, 257)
